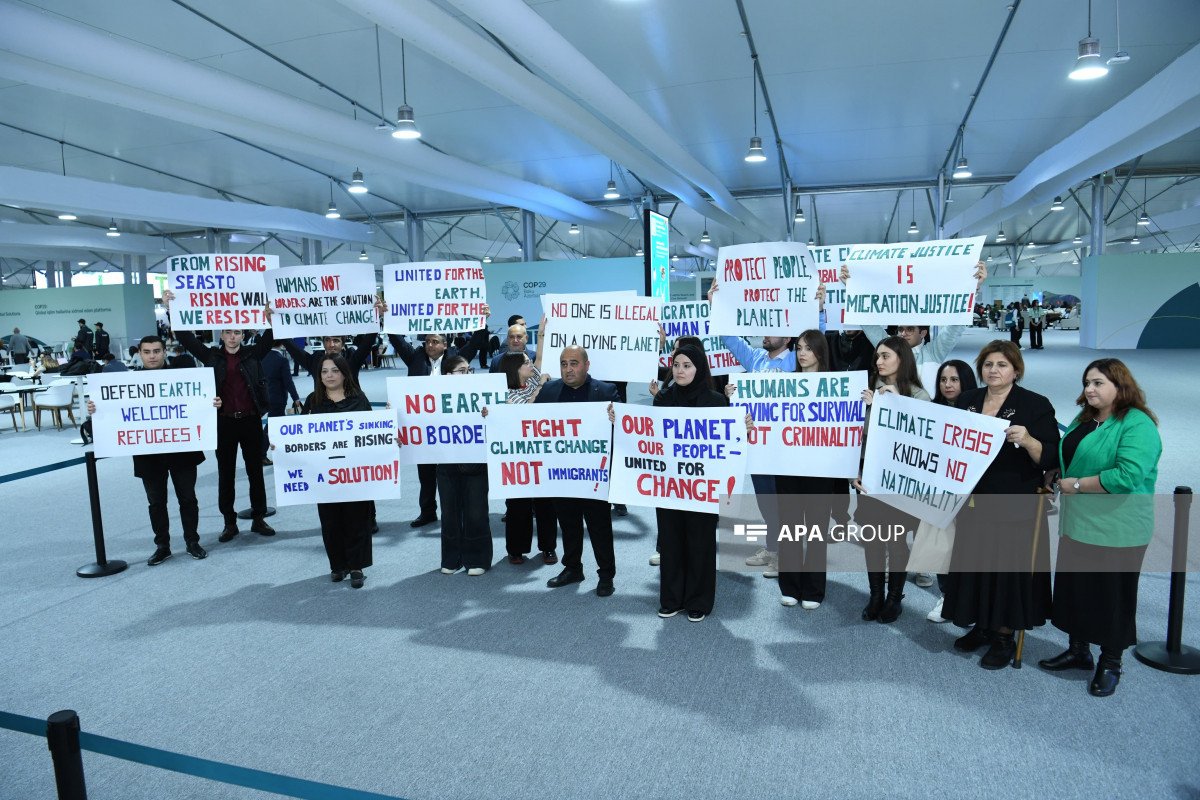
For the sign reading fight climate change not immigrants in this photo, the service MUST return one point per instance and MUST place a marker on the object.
(335, 458)
(766, 289)
(924, 458)
(444, 297)
(215, 291)
(807, 423)
(925, 283)
(316, 300)
(549, 450)
(441, 416)
(153, 411)
(683, 458)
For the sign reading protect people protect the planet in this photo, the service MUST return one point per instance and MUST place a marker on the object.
(215, 291)
(322, 300)
(153, 411)
(440, 417)
(444, 297)
(549, 450)
(765, 289)
(925, 283)
(335, 458)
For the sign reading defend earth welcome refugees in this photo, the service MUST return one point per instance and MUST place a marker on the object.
(924, 458)
(440, 416)
(549, 450)
(925, 283)
(445, 297)
(335, 458)
(153, 411)
(766, 289)
(215, 291)
(315, 300)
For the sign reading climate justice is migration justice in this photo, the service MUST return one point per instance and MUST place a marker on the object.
(315, 300)
(805, 423)
(925, 283)
(549, 450)
(445, 297)
(683, 458)
(215, 291)
(828, 261)
(924, 458)
(691, 319)
(619, 332)
(766, 289)
(335, 458)
(153, 411)
(440, 416)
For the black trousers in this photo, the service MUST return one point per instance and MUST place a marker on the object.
(277, 410)
(466, 532)
(687, 542)
(346, 535)
(244, 434)
(1014, 333)
(518, 527)
(892, 555)
(1035, 336)
(572, 513)
(20, 358)
(427, 473)
(804, 501)
(183, 477)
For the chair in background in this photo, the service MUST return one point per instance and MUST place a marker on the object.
(59, 397)
(9, 403)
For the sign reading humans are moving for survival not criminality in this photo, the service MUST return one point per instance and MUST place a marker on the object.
(215, 291)
(335, 458)
(153, 411)
(324, 299)
(444, 297)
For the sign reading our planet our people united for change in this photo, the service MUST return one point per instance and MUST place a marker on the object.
(618, 331)
(765, 289)
(215, 291)
(924, 458)
(691, 319)
(805, 423)
(335, 458)
(924, 283)
(153, 411)
(549, 450)
(316, 300)
(440, 416)
(445, 297)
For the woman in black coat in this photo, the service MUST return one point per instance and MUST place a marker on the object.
(990, 585)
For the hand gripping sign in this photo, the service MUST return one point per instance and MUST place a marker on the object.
(153, 411)
(335, 458)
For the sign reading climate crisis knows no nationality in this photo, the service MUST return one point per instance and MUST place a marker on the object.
(441, 416)
(316, 300)
(335, 458)
(445, 297)
(683, 458)
(766, 289)
(930, 283)
(153, 411)
(548, 450)
(215, 291)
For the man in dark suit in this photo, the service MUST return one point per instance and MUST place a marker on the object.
(279, 385)
(83, 337)
(517, 342)
(576, 386)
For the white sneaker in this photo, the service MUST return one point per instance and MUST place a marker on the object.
(476, 571)
(924, 580)
(810, 605)
(772, 570)
(935, 616)
(448, 571)
(655, 560)
(760, 558)
(787, 601)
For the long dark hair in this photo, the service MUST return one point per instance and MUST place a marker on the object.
(907, 377)
(510, 365)
(349, 386)
(966, 379)
(1129, 394)
(818, 344)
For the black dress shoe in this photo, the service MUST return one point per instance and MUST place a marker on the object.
(337, 576)
(1077, 656)
(357, 578)
(605, 589)
(1108, 675)
(424, 519)
(567, 576)
(160, 555)
(1001, 653)
(976, 638)
(230, 531)
(374, 526)
(620, 509)
(259, 526)
(196, 551)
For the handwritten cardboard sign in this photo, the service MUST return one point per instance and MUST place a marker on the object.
(925, 283)
(619, 333)
(440, 416)
(766, 289)
(153, 411)
(445, 297)
(335, 458)
(320, 300)
(549, 450)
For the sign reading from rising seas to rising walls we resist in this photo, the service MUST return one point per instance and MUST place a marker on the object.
(214, 291)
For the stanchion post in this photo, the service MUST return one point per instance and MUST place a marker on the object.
(62, 737)
(102, 566)
(1173, 655)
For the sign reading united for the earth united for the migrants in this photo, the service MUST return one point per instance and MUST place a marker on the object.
(691, 319)
(440, 416)
(215, 291)
(324, 299)
(618, 331)
(444, 297)
(924, 283)
(153, 411)
(766, 289)
(335, 458)
(549, 450)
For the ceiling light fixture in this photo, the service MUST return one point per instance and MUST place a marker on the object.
(1057, 205)
(66, 216)
(1000, 236)
(640, 252)
(362, 255)
(1135, 240)
(406, 128)
(811, 242)
(1120, 57)
(332, 212)
(112, 229)
(912, 226)
(357, 186)
(961, 169)
(704, 237)
(574, 229)
(755, 154)
(487, 259)
(1077, 240)
(1088, 64)
(1143, 219)
(610, 191)
(799, 212)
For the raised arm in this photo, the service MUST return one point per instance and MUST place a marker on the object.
(478, 340)
(299, 354)
(537, 358)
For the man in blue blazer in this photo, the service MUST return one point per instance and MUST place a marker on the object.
(576, 386)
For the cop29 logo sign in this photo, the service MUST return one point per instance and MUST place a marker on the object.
(511, 290)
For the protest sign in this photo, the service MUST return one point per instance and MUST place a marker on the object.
(683, 458)
(620, 333)
(806, 423)
(324, 299)
(215, 291)
(445, 297)
(335, 458)
(828, 261)
(153, 411)
(549, 450)
(924, 458)
(691, 319)
(765, 289)
(925, 283)
(440, 416)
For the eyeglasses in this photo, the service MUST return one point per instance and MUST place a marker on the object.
(463, 371)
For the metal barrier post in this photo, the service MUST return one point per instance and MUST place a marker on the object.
(1173, 655)
(102, 566)
(62, 737)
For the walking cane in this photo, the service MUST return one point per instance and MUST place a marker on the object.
(1037, 530)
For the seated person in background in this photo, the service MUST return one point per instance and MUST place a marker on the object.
(113, 364)
(182, 358)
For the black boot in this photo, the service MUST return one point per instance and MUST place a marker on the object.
(1077, 656)
(975, 638)
(1001, 653)
(1108, 674)
(875, 581)
(895, 593)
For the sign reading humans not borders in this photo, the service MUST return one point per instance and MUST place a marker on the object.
(215, 291)
(440, 417)
(316, 300)
(153, 411)
(549, 450)
(335, 458)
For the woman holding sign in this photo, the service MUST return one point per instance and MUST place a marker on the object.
(990, 585)
(345, 527)
(463, 490)
(1110, 454)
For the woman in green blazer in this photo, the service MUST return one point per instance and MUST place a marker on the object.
(1109, 463)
